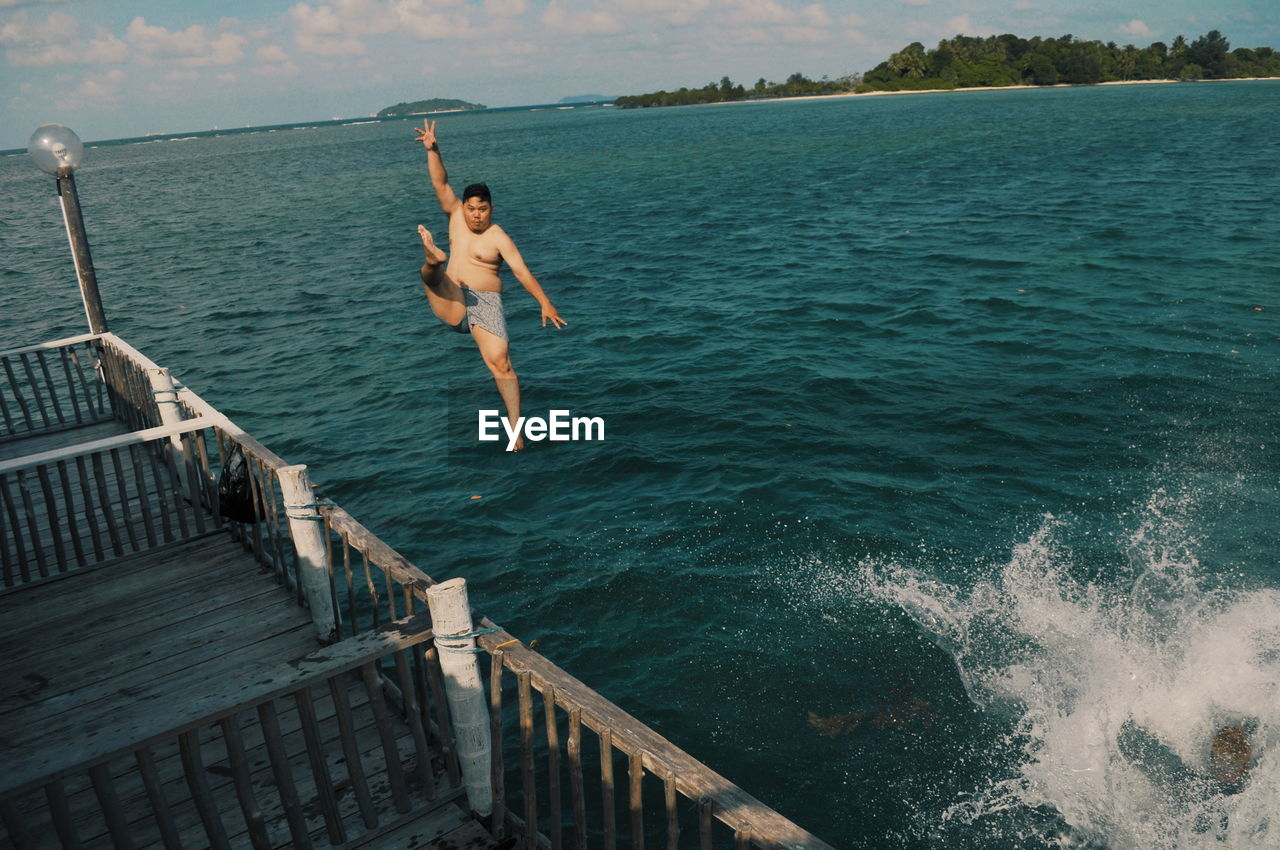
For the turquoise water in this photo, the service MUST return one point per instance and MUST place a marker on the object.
(947, 418)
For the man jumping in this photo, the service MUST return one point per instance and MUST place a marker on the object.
(464, 289)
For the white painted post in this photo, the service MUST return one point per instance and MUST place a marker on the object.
(166, 396)
(306, 527)
(451, 615)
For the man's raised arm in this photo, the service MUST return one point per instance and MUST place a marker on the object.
(435, 167)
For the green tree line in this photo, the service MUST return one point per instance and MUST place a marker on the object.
(1007, 60)
(796, 85)
(1004, 60)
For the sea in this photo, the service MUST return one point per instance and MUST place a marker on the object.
(940, 445)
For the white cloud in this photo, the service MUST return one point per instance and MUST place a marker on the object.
(106, 85)
(102, 90)
(272, 53)
(334, 29)
(277, 69)
(674, 12)
(426, 25)
(320, 46)
(13, 4)
(193, 47)
(595, 21)
(766, 21)
(963, 25)
(816, 15)
(757, 12)
(316, 21)
(1135, 28)
(506, 8)
(56, 41)
(21, 31)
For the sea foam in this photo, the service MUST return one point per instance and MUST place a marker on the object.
(1164, 651)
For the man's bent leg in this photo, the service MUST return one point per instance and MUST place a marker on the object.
(496, 353)
(444, 296)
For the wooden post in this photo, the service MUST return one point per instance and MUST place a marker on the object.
(80, 250)
(307, 531)
(451, 615)
(166, 398)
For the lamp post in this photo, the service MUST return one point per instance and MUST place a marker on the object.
(57, 150)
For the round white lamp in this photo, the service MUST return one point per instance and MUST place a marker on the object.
(53, 147)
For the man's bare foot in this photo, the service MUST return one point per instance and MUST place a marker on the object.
(434, 255)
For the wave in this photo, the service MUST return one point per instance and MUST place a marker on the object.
(1118, 688)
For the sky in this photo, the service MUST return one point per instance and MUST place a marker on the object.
(121, 68)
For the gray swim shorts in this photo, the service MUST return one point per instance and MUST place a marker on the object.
(483, 309)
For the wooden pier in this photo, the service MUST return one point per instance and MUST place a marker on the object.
(174, 678)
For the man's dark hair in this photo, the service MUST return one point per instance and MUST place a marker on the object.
(477, 190)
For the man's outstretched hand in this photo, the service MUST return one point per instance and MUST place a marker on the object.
(550, 314)
(427, 134)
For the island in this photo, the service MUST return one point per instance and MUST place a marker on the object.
(965, 62)
(435, 104)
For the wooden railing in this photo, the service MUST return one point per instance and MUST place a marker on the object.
(645, 785)
(125, 375)
(313, 754)
(616, 783)
(648, 792)
(89, 503)
(51, 387)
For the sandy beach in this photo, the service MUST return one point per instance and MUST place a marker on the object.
(974, 89)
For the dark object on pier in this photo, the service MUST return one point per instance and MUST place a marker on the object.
(235, 492)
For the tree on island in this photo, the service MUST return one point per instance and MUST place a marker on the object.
(1006, 60)
(726, 90)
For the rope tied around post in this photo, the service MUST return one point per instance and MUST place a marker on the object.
(477, 650)
(308, 510)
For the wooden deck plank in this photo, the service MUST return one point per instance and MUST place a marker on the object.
(62, 613)
(161, 641)
(139, 704)
(148, 695)
(444, 829)
(449, 823)
(160, 555)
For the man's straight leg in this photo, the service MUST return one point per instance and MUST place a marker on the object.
(496, 353)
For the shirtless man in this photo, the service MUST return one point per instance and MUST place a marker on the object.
(464, 290)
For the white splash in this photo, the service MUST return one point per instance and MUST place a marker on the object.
(1164, 654)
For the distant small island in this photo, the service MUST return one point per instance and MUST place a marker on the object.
(435, 104)
(587, 98)
(1001, 61)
